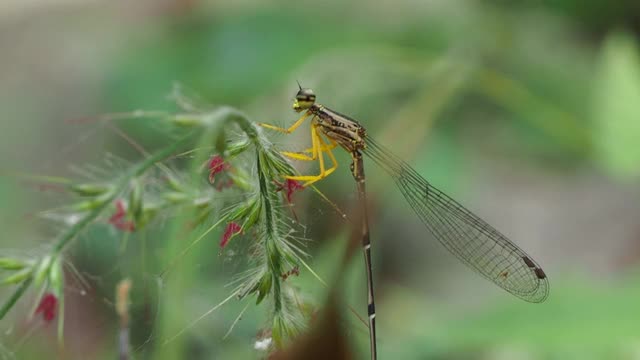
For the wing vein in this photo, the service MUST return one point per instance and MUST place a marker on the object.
(476, 243)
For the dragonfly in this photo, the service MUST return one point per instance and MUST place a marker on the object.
(473, 241)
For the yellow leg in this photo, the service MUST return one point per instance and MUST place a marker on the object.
(291, 128)
(331, 146)
(303, 157)
(315, 151)
(297, 156)
(319, 147)
(327, 149)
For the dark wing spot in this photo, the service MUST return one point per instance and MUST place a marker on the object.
(528, 262)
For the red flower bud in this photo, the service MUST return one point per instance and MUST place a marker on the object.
(48, 307)
(118, 218)
(289, 187)
(217, 165)
(230, 231)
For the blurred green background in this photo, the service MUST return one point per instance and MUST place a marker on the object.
(526, 112)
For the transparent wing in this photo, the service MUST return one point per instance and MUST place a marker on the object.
(468, 237)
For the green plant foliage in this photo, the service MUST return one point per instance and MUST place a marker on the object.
(525, 112)
(616, 106)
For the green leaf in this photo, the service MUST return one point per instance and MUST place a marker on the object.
(89, 189)
(42, 271)
(15, 296)
(12, 264)
(56, 279)
(135, 201)
(17, 277)
(56, 276)
(616, 106)
(264, 287)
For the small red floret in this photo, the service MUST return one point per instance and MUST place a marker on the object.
(230, 231)
(289, 187)
(118, 219)
(217, 165)
(48, 307)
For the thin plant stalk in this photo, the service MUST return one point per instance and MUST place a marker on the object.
(72, 232)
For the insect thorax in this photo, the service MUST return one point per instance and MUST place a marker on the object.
(347, 132)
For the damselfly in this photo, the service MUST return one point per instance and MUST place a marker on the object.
(472, 240)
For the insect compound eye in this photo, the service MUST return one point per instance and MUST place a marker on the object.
(306, 95)
(304, 99)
